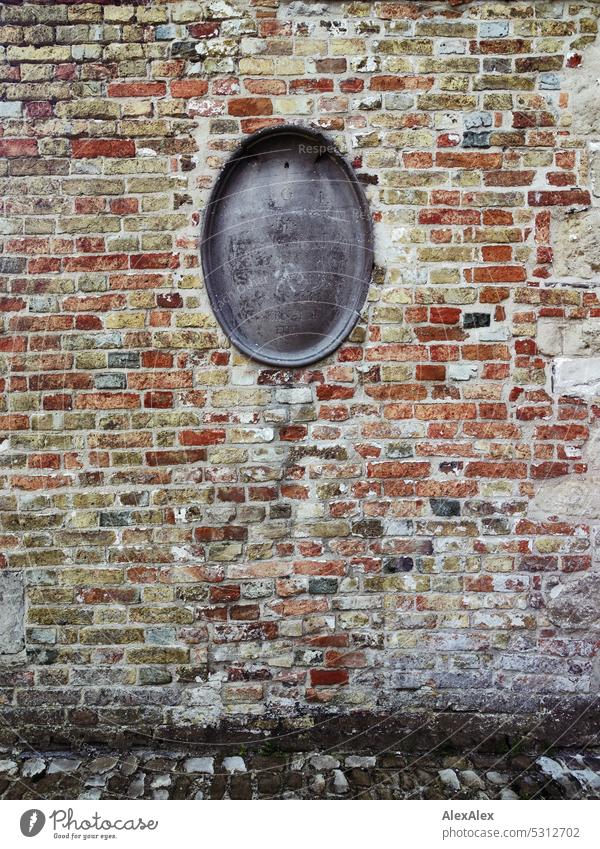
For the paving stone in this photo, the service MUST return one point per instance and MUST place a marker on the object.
(63, 765)
(205, 765)
(340, 783)
(449, 778)
(8, 766)
(324, 762)
(567, 775)
(103, 764)
(136, 787)
(471, 779)
(234, 764)
(31, 767)
(496, 778)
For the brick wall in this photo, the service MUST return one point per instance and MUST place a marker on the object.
(189, 537)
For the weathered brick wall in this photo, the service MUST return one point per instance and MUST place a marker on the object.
(406, 524)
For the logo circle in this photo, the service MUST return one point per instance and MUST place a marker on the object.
(32, 822)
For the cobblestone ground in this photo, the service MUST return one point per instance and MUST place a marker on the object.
(145, 774)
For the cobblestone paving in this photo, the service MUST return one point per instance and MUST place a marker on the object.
(145, 774)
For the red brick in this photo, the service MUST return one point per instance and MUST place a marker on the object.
(107, 401)
(189, 88)
(493, 411)
(485, 352)
(549, 470)
(430, 372)
(328, 392)
(44, 265)
(158, 260)
(43, 461)
(12, 304)
(501, 46)
(93, 148)
(40, 482)
(498, 470)
(417, 159)
(432, 333)
(352, 86)
(60, 380)
(140, 88)
(244, 612)
(243, 107)
(207, 29)
(88, 322)
(468, 159)
(296, 492)
(253, 125)
(273, 27)
(496, 253)
(576, 562)
(449, 216)
(224, 593)
(174, 457)
(328, 677)
(159, 400)
(293, 433)
(13, 421)
(156, 359)
(13, 147)
(562, 433)
(58, 402)
(445, 412)
(94, 303)
(202, 437)
(169, 300)
(391, 82)
(124, 206)
(311, 85)
(444, 315)
(112, 595)
(573, 197)
(265, 86)
(105, 262)
(397, 392)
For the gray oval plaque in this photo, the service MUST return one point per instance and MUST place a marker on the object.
(287, 247)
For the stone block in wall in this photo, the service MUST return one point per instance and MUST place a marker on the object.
(575, 243)
(574, 497)
(568, 338)
(583, 91)
(574, 603)
(578, 377)
(12, 612)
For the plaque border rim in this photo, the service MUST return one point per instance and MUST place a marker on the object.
(322, 139)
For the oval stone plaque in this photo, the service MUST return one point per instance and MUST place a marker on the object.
(287, 247)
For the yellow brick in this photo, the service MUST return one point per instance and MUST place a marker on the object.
(195, 320)
(256, 66)
(116, 320)
(289, 67)
(38, 54)
(347, 46)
